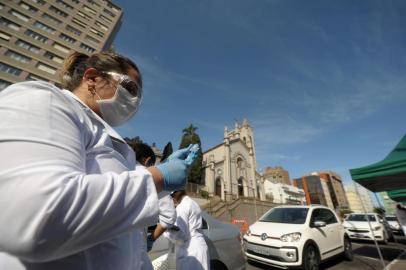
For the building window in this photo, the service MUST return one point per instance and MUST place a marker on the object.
(105, 18)
(4, 84)
(18, 57)
(46, 68)
(88, 9)
(53, 57)
(50, 18)
(102, 26)
(96, 32)
(93, 3)
(62, 3)
(75, 1)
(77, 22)
(92, 40)
(109, 12)
(36, 36)
(113, 7)
(61, 48)
(9, 24)
(73, 30)
(67, 38)
(1, 6)
(85, 16)
(5, 36)
(9, 69)
(58, 11)
(44, 27)
(27, 46)
(32, 77)
(87, 48)
(39, 2)
(19, 15)
(28, 7)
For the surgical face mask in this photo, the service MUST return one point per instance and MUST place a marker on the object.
(125, 102)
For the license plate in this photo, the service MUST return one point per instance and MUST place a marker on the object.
(358, 235)
(260, 249)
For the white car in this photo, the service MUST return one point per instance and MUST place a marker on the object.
(394, 224)
(296, 236)
(357, 227)
(223, 240)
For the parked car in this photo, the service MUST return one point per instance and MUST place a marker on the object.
(394, 224)
(223, 240)
(357, 227)
(297, 236)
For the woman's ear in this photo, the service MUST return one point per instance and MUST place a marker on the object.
(90, 76)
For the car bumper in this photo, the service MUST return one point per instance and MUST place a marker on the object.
(365, 235)
(277, 256)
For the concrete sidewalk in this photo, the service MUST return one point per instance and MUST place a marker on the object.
(399, 263)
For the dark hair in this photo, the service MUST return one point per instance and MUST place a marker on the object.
(142, 151)
(76, 64)
(179, 193)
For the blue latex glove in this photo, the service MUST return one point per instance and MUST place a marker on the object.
(174, 173)
(150, 242)
(181, 153)
(175, 169)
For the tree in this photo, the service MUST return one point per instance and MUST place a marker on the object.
(191, 137)
(379, 210)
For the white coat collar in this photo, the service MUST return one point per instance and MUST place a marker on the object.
(109, 129)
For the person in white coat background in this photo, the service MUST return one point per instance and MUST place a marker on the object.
(191, 248)
(145, 156)
(70, 195)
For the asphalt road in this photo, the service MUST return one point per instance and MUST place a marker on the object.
(366, 257)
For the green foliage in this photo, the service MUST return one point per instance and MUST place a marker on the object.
(191, 137)
(204, 194)
(379, 210)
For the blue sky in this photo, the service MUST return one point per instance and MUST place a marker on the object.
(321, 82)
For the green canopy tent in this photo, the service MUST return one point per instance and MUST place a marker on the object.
(386, 175)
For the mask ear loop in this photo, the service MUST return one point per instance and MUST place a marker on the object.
(92, 90)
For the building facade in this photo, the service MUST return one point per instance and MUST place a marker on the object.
(36, 35)
(284, 193)
(388, 203)
(230, 167)
(276, 175)
(359, 199)
(316, 190)
(336, 189)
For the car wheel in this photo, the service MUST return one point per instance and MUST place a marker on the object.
(348, 254)
(311, 258)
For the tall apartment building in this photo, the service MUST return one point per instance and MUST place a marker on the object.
(359, 199)
(36, 35)
(316, 190)
(336, 188)
(276, 175)
(388, 203)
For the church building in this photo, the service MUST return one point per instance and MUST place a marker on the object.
(230, 167)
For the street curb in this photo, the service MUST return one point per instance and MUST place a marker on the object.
(389, 266)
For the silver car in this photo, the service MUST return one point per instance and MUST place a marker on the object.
(224, 244)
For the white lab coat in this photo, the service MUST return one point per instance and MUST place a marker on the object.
(167, 218)
(191, 248)
(69, 196)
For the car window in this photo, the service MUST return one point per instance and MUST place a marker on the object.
(360, 217)
(204, 224)
(286, 215)
(324, 215)
(391, 219)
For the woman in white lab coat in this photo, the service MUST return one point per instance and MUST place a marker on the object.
(70, 197)
(191, 248)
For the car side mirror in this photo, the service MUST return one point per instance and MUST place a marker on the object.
(319, 224)
(381, 221)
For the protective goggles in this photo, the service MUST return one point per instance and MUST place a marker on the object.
(127, 83)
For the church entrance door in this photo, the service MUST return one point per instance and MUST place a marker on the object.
(218, 187)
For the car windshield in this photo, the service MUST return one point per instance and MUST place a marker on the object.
(361, 218)
(286, 215)
(391, 219)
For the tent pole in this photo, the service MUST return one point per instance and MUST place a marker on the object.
(370, 227)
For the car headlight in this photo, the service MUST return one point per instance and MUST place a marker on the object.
(248, 232)
(291, 237)
(377, 228)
